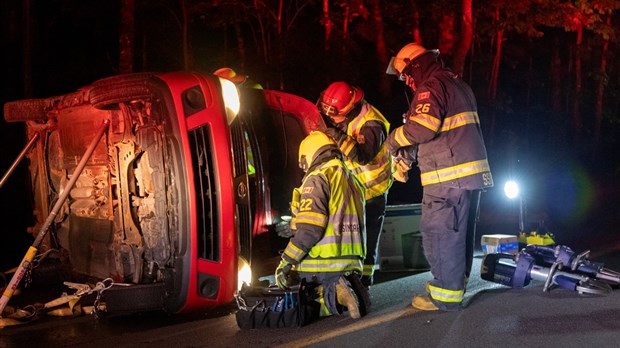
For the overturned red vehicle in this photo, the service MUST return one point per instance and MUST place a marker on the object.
(179, 197)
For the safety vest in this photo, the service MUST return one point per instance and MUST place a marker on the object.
(343, 245)
(376, 176)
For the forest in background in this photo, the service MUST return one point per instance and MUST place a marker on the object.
(545, 72)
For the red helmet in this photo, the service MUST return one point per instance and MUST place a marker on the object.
(339, 98)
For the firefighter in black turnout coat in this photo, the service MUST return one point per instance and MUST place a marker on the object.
(442, 121)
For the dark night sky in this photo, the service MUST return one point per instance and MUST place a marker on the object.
(75, 42)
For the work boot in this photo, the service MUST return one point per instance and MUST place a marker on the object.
(346, 297)
(423, 303)
(465, 284)
(366, 281)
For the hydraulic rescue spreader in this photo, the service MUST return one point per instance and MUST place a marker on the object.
(554, 265)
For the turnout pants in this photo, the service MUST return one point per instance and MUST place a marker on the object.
(375, 214)
(448, 235)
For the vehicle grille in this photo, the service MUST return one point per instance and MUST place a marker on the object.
(206, 193)
(244, 218)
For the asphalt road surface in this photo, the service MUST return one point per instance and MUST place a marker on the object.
(494, 316)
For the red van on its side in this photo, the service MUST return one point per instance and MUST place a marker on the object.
(180, 196)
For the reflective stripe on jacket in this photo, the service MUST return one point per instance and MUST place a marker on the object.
(443, 121)
(376, 176)
(331, 203)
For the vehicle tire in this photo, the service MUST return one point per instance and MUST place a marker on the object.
(362, 293)
(26, 110)
(110, 91)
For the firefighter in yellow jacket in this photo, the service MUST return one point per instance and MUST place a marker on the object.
(443, 123)
(328, 226)
(360, 131)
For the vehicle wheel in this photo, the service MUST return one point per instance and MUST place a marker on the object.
(363, 295)
(26, 110)
(117, 89)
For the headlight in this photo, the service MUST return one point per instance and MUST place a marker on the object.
(231, 99)
(244, 274)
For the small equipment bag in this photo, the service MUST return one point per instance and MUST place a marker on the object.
(271, 307)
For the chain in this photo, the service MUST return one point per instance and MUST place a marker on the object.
(96, 309)
(100, 287)
(34, 264)
(28, 276)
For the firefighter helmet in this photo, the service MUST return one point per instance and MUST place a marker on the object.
(229, 74)
(312, 146)
(339, 98)
(407, 54)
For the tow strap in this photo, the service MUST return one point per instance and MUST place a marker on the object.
(64, 306)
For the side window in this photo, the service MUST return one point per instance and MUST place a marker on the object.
(284, 166)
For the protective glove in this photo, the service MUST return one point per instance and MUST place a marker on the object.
(403, 160)
(407, 154)
(283, 229)
(282, 273)
(335, 134)
(392, 146)
(400, 171)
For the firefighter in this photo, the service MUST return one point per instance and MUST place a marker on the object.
(442, 121)
(239, 80)
(360, 131)
(328, 224)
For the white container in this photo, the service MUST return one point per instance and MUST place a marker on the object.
(400, 245)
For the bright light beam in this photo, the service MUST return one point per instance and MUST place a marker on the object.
(244, 274)
(230, 95)
(511, 189)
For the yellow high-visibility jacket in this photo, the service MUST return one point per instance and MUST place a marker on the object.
(328, 217)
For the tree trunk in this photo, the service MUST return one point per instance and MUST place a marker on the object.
(185, 36)
(558, 131)
(576, 99)
(27, 49)
(346, 18)
(240, 45)
(381, 48)
(263, 33)
(493, 81)
(499, 36)
(327, 23)
(446, 34)
(281, 55)
(600, 93)
(345, 21)
(415, 30)
(126, 36)
(458, 62)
